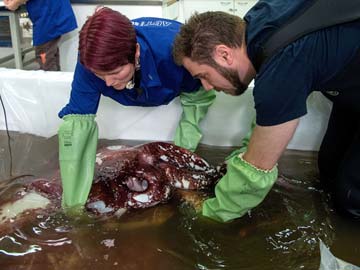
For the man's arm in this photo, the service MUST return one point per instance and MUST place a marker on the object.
(268, 143)
(251, 175)
(14, 4)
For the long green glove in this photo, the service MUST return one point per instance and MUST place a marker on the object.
(242, 188)
(195, 106)
(78, 136)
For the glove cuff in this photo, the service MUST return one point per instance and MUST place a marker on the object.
(79, 117)
(240, 156)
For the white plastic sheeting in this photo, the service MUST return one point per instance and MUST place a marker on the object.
(33, 99)
(330, 262)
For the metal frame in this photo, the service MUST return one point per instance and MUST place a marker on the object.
(15, 38)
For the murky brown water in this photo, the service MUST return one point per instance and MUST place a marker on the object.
(282, 233)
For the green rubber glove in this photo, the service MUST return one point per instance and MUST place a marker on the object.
(195, 106)
(78, 136)
(242, 188)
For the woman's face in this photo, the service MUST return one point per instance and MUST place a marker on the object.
(117, 78)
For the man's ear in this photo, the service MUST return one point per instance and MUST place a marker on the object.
(223, 54)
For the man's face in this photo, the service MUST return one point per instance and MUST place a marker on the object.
(220, 78)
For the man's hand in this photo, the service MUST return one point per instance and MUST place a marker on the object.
(14, 4)
(191, 198)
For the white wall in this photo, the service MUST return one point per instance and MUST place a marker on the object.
(33, 98)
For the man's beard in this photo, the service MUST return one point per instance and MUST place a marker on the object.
(233, 78)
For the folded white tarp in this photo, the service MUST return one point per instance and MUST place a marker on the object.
(32, 100)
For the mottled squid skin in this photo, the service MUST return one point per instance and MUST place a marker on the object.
(143, 176)
(134, 177)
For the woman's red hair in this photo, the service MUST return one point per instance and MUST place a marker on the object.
(107, 40)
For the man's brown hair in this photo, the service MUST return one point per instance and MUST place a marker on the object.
(199, 36)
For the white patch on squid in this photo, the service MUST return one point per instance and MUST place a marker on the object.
(98, 161)
(30, 201)
(198, 168)
(164, 158)
(130, 203)
(167, 191)
(100, 207)
(196, 177)
(178, 184)
(162, 148)
(185, 183)
(47, 184)
(143, 198)
(206, 163)
(116, 147)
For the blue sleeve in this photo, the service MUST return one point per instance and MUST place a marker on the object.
(85, 93)
(282, 87)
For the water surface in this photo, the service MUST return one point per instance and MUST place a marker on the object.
(282, 233)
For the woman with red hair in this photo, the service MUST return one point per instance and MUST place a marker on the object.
(130, 62)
